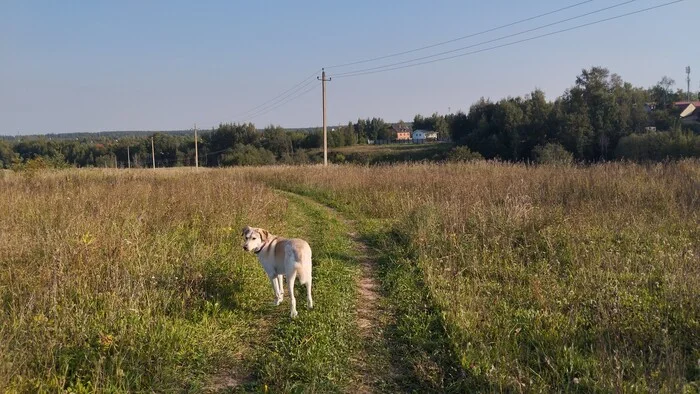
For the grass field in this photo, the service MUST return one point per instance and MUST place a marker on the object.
(388, 153)
(493, 277)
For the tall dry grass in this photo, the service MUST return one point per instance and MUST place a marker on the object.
(548, 278)
(126, 280)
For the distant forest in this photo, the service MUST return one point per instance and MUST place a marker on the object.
(601, 117)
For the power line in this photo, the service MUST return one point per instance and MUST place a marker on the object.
(488, 41)
(279, 97)
(279, 105)
(369, 71)
(460, 38)
(275, 103)
(289, 100)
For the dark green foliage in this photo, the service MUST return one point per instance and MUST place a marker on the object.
(396, 153)
(552, 154)
(588, 120)
(372, 130)
(435, 122)
(655, 145)
(247, 155)
(6, 154)
(463, 154)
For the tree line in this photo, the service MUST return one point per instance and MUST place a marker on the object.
(601, 117)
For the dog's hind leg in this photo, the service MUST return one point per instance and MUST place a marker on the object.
(291, 277)
(310, 303)
(277, 288)
(280, 283)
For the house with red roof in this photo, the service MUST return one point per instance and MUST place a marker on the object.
(690, 110)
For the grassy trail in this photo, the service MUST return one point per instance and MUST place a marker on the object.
(403, 346)
(372, 367)
(334, 347)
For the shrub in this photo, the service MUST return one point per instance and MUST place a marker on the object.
(463, 154)
(248, 155)
(338, 158)
(658, 145)
(552, 153)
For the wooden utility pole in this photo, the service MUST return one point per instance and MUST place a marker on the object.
(325, 135)
(153, 153)
(196, 151)
(128, 157)
(687, 71)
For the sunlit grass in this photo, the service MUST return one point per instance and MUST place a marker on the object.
(126, 280)
(547, 278)
(502, 277)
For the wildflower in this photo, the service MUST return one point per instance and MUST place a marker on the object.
(87, 238)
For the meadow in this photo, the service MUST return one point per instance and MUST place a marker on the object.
(493, 277)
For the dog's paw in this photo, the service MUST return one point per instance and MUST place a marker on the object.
(278, 301)
(294, 314)
(310, 306)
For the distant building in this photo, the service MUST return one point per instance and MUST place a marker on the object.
(421, 136)
(401, 132)
(418, 136)
(690, 110)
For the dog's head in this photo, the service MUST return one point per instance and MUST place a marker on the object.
(254, 238)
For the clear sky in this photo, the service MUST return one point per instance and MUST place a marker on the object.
(84, 66)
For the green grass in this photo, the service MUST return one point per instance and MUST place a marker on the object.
(496, 277)
(120, 282)
(312, 353)
(580, 279)
(390, 153)
(416, 342)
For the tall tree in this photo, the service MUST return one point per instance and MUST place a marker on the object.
(662, 90)
(7, 155)
(276, 140)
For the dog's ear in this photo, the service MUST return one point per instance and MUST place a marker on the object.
(264, 234)
(245, 230)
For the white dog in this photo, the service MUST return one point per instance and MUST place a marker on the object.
(280, 256)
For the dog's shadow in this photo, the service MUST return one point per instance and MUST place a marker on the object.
(226, 288)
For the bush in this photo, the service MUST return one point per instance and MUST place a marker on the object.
(462, 154)
(552, 154)
(300, 156)
(38, 163)
(248, 155)
(658, 145)
(338, 158)
(362, 158)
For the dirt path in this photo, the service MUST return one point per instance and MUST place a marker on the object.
(369, 354)
(374, 371)
(373, 366)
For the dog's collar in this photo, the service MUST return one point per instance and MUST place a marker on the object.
(261, 247)
(269, 241)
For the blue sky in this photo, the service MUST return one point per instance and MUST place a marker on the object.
(84, 66)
